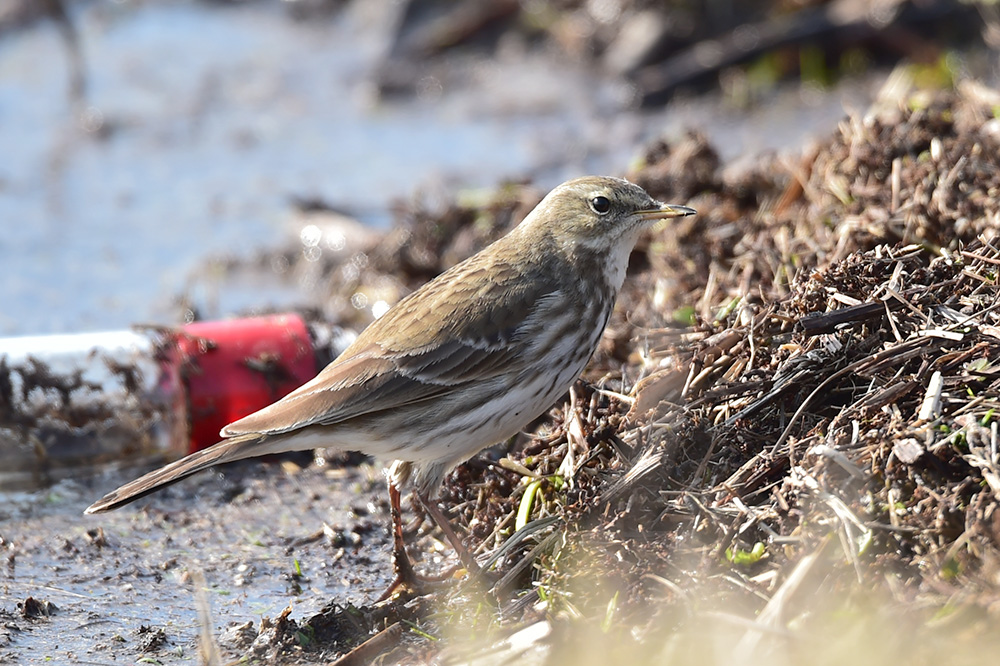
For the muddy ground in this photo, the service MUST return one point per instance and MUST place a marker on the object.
(785, 449)
(263, 537)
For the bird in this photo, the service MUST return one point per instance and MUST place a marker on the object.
(460, 364)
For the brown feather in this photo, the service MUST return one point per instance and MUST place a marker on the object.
(455, 333)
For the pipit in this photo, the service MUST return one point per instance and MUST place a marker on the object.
(460, 364)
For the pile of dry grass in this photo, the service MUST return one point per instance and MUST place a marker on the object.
(825, 429)
(787, 443)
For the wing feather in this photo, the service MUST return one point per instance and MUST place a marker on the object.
(453, 331)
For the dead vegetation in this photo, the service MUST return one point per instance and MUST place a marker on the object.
(820, 440)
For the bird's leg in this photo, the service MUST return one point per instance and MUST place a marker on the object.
(400, 560)
(431, 507)
(405, 576)
(419, 515)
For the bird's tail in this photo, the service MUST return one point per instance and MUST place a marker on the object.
(235, 448)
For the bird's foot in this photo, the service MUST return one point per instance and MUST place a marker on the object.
(406, 580)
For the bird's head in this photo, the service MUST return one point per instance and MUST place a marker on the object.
(599, 213)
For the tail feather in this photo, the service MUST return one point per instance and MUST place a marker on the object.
(236, 448)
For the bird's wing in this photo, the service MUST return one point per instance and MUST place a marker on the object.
(455, 330)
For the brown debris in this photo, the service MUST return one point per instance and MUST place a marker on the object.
(834, 403)
(795, 396)
(32, 608)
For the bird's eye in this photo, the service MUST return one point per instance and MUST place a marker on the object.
(600, 205)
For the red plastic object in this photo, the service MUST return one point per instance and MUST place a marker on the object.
(233, 368)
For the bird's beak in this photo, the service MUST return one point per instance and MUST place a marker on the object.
(666, 211)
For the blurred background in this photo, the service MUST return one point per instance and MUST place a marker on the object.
(148, 146)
